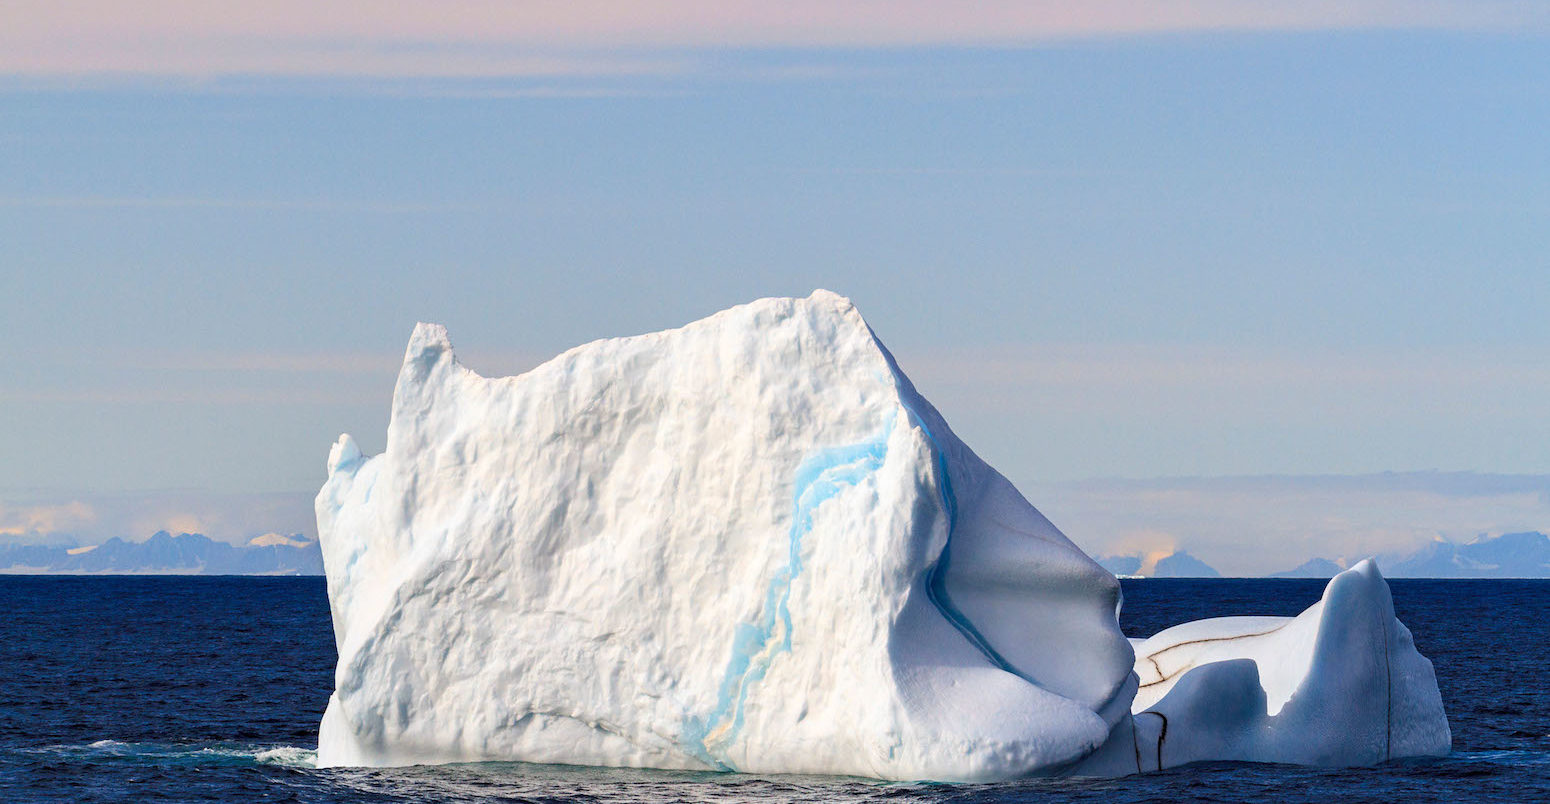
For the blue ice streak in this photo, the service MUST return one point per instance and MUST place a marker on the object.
(754, 646)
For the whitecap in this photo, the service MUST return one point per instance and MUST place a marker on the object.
(288, 755)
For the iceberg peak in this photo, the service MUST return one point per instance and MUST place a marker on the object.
(429, 355)
(344, 453)
(427, 343)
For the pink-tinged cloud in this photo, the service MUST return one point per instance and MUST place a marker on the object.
(193, 38)
(19, 519)
(84, 518)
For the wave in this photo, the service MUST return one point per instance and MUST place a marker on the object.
(1505, 757)
(218, 754)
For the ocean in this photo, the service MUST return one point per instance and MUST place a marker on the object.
(183, 689)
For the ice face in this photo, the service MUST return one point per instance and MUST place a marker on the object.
(746, 544)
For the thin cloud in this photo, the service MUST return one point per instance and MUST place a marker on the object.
(330, 363)
(47, 518)
(256, 204)
(263, 397)
(270, 379)
(1152, 365)
(83, 518)
(1204, 378)
(377, 365)
(472, 38)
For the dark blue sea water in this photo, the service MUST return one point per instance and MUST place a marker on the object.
(210, 689)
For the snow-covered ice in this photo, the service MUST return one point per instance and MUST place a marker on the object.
(749, 544)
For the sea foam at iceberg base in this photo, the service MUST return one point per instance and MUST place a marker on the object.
(748, 544)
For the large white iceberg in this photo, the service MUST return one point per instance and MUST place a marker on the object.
(746, 544)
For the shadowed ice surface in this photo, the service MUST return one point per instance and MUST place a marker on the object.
(210, 689)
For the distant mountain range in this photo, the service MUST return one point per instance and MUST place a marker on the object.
(1510, 555)
(1173, 565)
(165, 554)
(1316, 568)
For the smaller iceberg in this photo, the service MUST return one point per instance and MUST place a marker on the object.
(1340, 684)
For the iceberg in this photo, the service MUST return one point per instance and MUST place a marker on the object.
(746, 544)
(1340, 684)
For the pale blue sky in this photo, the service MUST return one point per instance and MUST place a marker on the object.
(1151, 255)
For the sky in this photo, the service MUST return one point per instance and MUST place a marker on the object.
(1136, 243)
